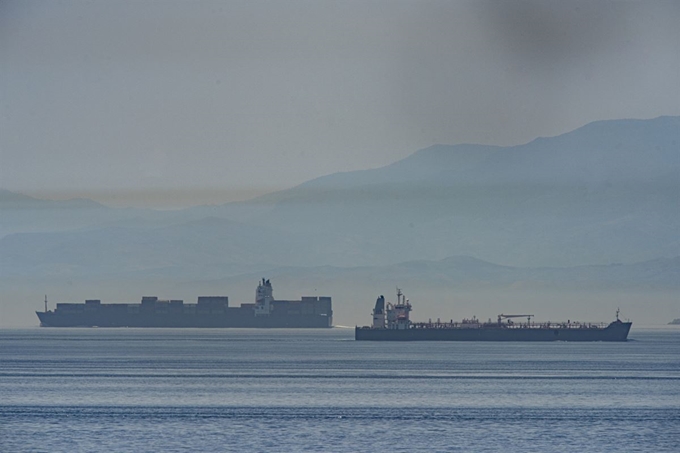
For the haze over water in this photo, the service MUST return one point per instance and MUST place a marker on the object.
(318, 390)
(352, 119)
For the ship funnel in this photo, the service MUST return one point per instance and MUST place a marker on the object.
(263, 298)
(379, 313)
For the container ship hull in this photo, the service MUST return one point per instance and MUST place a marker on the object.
(210, 311)
(181, 320)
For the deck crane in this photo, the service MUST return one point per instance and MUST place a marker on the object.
(501, 317)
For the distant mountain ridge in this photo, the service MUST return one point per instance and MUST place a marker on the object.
(642, 148)
(606, 192)
(142, 254)
(463, 272)
(15, 200)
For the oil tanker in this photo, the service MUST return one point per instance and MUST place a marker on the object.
(209, 311)
(391, 322)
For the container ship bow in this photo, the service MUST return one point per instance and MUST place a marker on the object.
(209, 311)
(391, 322)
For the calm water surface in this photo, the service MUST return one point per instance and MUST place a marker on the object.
(69, 390)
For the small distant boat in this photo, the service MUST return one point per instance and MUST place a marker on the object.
(675, 322)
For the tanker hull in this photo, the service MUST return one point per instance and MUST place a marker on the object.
(616, 331)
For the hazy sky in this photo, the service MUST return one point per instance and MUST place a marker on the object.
(225, 99)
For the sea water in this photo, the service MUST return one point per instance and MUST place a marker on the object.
(168, 390)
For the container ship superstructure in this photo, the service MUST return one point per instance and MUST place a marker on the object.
(209, 311)
(391, 322)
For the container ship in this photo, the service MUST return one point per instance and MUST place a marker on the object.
(209, 311)
(391, 323)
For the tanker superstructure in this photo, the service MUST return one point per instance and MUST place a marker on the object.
(209, 311)
(391, 322)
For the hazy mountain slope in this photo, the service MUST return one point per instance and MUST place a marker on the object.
(463, 272)
(599, 152)
(13, 200)
(212, 249)
(208, 248)
(20, 213)
(606, 192)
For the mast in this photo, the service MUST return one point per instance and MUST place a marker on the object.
(45, 303)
